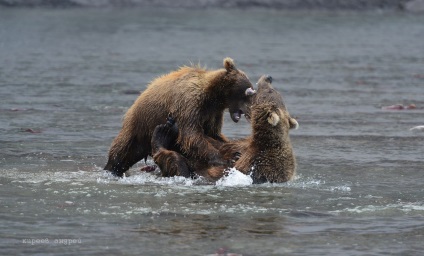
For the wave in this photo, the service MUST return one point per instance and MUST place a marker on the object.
(373, 209)
(96, 174)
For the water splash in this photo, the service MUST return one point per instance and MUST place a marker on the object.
(312, 183)
(145, 178)
(401, 206)
(151, 178)
(234, 178)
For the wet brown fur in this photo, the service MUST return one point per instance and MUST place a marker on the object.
(196, 98)
(267, 153)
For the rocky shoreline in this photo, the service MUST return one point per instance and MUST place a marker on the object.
(408, 5)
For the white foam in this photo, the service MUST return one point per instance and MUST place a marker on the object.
(404, 207)
(418, 128)
(152, 178)
(301, 182)
(340, 188)
(310, 183)
(407, 207)
(234, 178)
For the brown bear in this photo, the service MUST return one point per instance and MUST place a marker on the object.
(196, 98)
(266, 93)
(267, 154)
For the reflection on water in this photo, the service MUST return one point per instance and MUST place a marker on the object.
(68, 76)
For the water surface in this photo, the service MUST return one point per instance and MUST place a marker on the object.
(68, 76)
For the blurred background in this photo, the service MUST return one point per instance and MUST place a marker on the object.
(349, 71)
(409, 5)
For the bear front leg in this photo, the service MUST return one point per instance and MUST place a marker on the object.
(124, 153)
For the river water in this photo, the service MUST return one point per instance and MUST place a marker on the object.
(68, 76)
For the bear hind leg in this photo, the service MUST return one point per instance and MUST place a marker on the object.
(121, 158)
(165, 136)
(172, 163)
(164, 147)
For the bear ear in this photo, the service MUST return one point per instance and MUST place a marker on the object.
(293, 123)
(268, 78)
(273, 118)
(229, 64)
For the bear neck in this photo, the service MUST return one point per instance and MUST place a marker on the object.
(276, 137)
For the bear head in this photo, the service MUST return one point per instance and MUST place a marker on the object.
(240, 92)
(269, 120)
(265, 94)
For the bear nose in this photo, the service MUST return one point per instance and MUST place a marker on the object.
(249, 91)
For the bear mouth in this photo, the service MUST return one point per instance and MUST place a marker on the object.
(235, 116)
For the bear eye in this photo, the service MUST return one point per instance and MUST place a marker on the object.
(249, 91)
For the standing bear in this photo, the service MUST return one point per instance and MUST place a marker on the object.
(196, 98)
(267, 154)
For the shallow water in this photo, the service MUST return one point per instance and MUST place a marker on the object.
(68, 76)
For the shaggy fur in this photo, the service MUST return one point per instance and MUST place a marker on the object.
(196, 98)
(267, 154)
